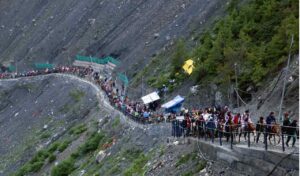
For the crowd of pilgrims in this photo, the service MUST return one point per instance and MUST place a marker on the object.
(79, 71)
(207, 122)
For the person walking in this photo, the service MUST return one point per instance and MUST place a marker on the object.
(260, 127)
(286, 123)
(291, 132)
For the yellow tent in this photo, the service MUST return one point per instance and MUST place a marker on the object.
(188, 66)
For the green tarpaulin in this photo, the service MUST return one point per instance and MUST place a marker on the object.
(43, 66)
(97, 60)
(112, 60)
(123, 78)
(11, 68)
(90, 59)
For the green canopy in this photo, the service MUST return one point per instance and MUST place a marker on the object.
(43, 66)
(11, 68)
(97, 60)
(123, 78)
(112, 60)
(87, 59)
(91, 59)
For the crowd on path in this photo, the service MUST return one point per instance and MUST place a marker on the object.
(79, 71)
(211, 122)
(208, 122)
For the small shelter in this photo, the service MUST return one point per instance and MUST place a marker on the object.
(174, 105)
(150, 98)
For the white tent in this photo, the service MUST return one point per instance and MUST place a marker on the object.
(150, 98)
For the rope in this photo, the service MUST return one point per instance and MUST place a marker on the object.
(240, 97)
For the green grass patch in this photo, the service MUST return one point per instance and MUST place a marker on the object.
(137, 167)
(52, 158)
(200, 166)
(116, 122)
(114, 170)
(63, 145)
(77, 95)
(184, 159)
(45, 135)
(35, 164)
(92, 143)
(64, 168)
(162, 150)
(53, 147)
(78, 129)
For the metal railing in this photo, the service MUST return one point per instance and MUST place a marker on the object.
(202, 131)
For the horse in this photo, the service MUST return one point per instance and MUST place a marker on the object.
(275, 130)
(250, 128)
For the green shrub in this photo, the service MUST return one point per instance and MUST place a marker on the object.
(92, 143)
(183, 159)
(116, 122)
(35, 164)
(63, 146)
(200, 166)
(41, 156)
(137, 167)
(45, 135)
(52, 158)
(64, 168)
(114, 170)
(24, 170)
(75, 155)
(78, 129)
(53, 147)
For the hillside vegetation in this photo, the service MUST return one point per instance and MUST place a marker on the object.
(254, 35)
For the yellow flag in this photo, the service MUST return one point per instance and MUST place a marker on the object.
(188, 66)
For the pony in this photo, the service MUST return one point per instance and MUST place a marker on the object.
(245, 129)
(274, 131)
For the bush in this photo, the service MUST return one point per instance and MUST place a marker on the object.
(183, 159)
(35, 164)
(64, 168)
(78, 129)
(45, 135)
(75, 155)
(53, 147)
(63, 146)
(92, 143)
(116, 122)
(52, 158)
(41, 156)
(137, 167)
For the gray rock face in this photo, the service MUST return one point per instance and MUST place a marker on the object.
(55, 31)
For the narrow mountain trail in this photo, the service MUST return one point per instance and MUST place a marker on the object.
(155, 128)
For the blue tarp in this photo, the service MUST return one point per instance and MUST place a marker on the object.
(174, 105)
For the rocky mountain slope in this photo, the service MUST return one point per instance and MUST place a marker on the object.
(101, 141)
(34, 112)
(134, 31)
